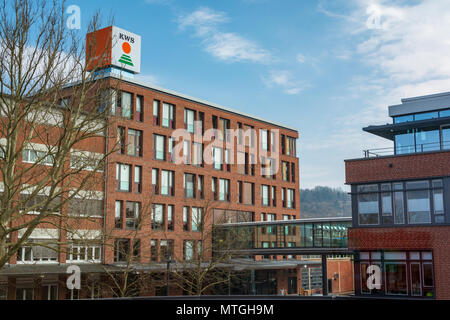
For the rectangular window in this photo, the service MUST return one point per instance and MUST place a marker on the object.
(170, 213)
(123, 172)
(118, 215)
(248, 193)
(134, 143)
(285, 170)
(153, 250)
(139, 108)
(217, 158)
(196, 219)
(197, 154)
(137, 179)
(265, 195)
(187, 151)
(121, 139)
(189, 118)
(170, 147)
(188, 250)
(132, 215)
(264, 139)
(418, 202)
(189, 182)
(290, 198)
(157, 217)
(155, 181)
(159, 147)
(121, 250)
(368, 204)
(224, 190)
(399, 207)
(167, 183)
(168, 116)
(200, 181)
(156, 113)
(38, 251)
(166, 250)
(274, 196)
(125, 104)
(438, 201)
(185, 218)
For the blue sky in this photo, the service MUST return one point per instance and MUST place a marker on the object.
(328, 68)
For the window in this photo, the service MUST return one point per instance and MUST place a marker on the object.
(200, 193)
(166, 250)
(125, 103)
(228, 159)
(157, 217)
(121, 139)
(368, 204)
(214, 187)
(24, 293)
(121, 250)
(290, 198)
(187, 152)
(170, 147)
(248, 193)
(264, 139)
(196, 219)
(185, 218)
(418, 202)
(139, 108)
(36, 204)
(155, 181)
(188, 250)
(386, 203)
(265, 195)
(217, 158)
(189, 180)
(285, 170)
(155, 112)
(290, 146)
(189, 118)
(224, 190)
(84, 252)
(36, 156)
(123, 177)
(293, 172)
(159, 147)
(134, 143)
(153, 250)
(438, 201)
(137, 179)
(167, 183)
(197, 154)
(224, 127)
(85, 207)
(274, 196)
(170, 222)
(38, 251)
(118, 215)
(168, 116)
(132, 215)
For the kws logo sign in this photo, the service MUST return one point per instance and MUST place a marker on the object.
(126, 50)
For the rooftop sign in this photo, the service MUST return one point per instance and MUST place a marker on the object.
(113, 46)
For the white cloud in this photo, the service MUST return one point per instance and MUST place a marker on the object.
(284, 80)
(301, 58)
(225, 46)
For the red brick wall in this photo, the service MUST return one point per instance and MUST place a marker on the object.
(418, 166)
(436, 239)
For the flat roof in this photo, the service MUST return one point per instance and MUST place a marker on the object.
(418, 104)
(184, 96)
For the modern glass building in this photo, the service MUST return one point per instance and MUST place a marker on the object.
(401, 203)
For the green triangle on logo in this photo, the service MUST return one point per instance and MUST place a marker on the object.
(125, 59)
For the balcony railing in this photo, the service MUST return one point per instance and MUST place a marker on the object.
(410, 149)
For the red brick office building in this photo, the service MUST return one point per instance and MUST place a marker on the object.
(151, 205)
(401, 203)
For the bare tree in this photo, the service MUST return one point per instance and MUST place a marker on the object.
(51, 111)
(208, 257)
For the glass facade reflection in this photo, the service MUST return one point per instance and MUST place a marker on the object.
(327, 234)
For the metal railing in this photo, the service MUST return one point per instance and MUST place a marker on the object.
(410, 149)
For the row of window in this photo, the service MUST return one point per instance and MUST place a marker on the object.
(43, 252)
(160, 250)
(128, 216)
(412, 202)
(422, 116)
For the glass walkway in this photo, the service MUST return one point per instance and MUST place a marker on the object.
(324, 235)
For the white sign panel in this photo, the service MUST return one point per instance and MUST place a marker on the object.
(126, 50)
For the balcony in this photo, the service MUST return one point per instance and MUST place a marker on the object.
(409, 149)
